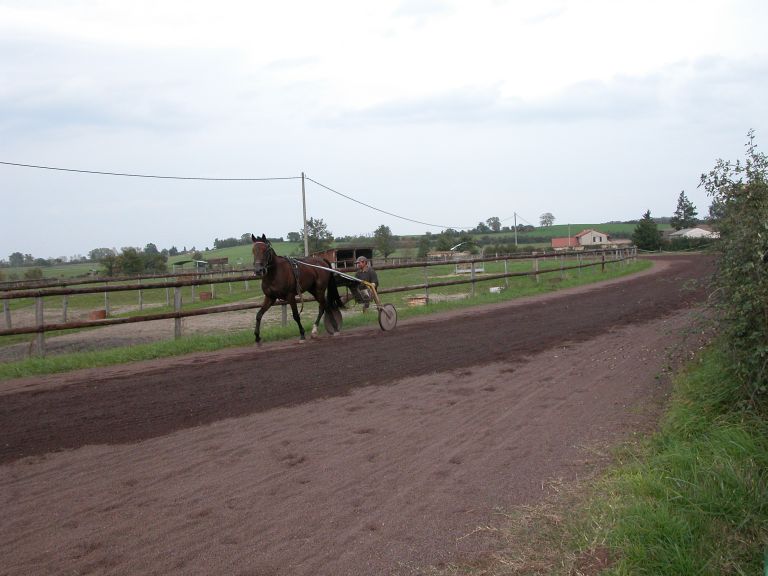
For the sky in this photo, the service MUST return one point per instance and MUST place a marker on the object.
(415, 114)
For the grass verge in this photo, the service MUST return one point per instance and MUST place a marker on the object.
(692, 499)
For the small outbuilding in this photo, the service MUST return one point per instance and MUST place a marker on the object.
(345, 257)
(697, 232)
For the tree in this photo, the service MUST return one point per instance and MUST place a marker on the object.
(318, 236)
(685, 215)
(294, 237)
(716, 211)
(646, 235)
(547, 219)
(129, 262)
(383, 240)
(494, 223)
(154, 263)
(109, 262)
(16, 259)
(98, 254)
(423, 248)
(151, 249)
(482, 228)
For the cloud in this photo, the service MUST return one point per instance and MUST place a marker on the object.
(701, 90)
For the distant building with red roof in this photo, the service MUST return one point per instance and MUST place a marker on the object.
(585, 238)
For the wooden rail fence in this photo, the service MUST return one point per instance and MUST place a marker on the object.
(597, 258)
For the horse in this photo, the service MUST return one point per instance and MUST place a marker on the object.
(286, 278)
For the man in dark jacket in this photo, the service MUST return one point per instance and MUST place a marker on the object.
(365, 272)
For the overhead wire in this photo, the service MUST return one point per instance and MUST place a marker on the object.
(148, 175)
(211, 179)
(383, 211)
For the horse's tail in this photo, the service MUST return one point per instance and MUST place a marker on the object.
(333, 298)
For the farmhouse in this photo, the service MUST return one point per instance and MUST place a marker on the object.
(584, 239)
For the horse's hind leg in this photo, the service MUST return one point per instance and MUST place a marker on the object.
(322, 307)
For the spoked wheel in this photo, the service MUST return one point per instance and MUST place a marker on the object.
(387, 317)
(327, 321)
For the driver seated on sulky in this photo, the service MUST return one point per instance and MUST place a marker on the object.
(367, 273)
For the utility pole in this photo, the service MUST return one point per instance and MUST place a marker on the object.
(515, 229)
(304, 206)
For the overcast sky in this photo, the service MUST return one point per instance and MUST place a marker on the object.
(443, 112)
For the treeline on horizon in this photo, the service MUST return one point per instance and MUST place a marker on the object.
(155, 259)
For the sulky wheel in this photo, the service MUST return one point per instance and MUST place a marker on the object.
(387, 317)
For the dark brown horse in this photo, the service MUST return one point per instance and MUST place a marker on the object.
(287, 278)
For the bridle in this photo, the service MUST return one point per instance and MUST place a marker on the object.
(269, 252)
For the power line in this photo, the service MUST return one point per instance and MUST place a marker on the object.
(155, 176)
(384, 211)
(148, 175)
(518, 216)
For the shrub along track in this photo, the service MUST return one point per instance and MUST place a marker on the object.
(368, 452)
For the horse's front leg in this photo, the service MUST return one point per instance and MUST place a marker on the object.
(266, 305)
(297, 318)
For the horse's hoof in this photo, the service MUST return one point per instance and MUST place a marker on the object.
(302, 341)
(335, 334)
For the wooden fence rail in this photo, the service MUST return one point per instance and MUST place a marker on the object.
(41, 327)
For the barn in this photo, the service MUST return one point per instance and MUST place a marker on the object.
(344, 257)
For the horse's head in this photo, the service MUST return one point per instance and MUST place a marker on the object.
(263, 255)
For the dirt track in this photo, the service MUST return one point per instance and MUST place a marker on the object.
(367, 453)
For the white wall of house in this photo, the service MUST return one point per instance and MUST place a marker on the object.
(593, 238)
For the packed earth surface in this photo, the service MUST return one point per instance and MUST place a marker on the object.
(366, 453)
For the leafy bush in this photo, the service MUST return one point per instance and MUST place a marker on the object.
(742, 278)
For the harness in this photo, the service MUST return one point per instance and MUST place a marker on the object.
(295, 268)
